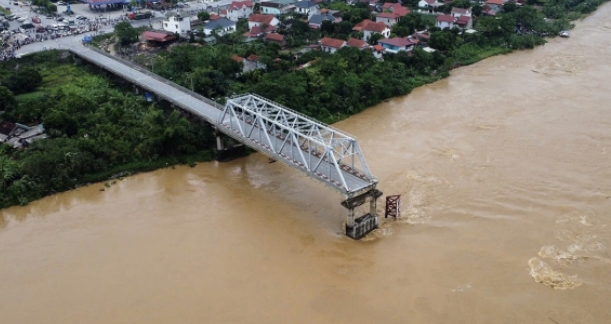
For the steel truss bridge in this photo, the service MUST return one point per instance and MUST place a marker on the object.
(318, 150)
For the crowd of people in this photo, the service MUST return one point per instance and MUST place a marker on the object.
(7, 53)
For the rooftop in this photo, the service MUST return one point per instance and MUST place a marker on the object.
(369, 25)
(157, 36)
(274, 37)
(356, 42)
(445, 18)
(221, 22)
(332, 42)
(305, 4)
(264, 19)
(396, 41)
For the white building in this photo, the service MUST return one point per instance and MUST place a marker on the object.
(177, 24)
(308, 8)
(222, 26)
(237, 10)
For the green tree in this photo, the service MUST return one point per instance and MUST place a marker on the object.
(443, 41)
(476, 10)
(126, 33)
(7, 99)
(203, 15)
(509, 6)
(52, 8)
(23, 80)
(9, 170)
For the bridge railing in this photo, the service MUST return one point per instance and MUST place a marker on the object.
(157, 77)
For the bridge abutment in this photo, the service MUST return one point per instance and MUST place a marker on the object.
(365, 224)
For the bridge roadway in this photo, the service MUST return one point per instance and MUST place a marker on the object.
(326, 172)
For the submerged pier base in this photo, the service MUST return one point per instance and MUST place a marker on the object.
(365, 224)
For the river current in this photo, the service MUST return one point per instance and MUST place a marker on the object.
(505, 174)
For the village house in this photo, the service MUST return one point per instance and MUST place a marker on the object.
(277, 7)
(222, 26)
(368, 28)
(259, 19)
(257, 31)
(252, 63)
(378, 51)
(445, 21)
(308, 8)
(331, 45)
(449, 21)
(355, 42)
(177, 24)
(391, 13)
(457, 12)
(396, 44)
(464, 22)
(158, 38)
(316, 20)
(238, 59)
(491, 7)
(428, 6)
(237, 10)
(276, 38)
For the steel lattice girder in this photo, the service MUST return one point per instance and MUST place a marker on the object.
(317, 149)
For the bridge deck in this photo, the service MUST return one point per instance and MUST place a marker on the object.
(212, 112)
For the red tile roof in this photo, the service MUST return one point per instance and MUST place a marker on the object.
(369, 25)
(396, 41)
(235, 5)
(264, 19)
(390, 15)
(332, 42)
(445, 18)
(252, 58)
(459, 11)
(275, 37)
(396, 8)
(379, 48)
(496, 2)
(463, 20)
(236, 58)
(214, 17)
(158, 37)
(356, 42)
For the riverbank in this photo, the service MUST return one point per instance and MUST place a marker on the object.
(95, 129)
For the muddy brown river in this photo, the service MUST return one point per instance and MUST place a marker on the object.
(505, 173)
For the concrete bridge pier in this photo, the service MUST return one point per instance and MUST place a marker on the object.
(225, 148)
(365, 224)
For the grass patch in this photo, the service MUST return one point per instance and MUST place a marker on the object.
(61, 74)
(468, 54)
(32, 96)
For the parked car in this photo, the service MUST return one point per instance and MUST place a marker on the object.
(61, 3)
(22, 19)
(36, 20)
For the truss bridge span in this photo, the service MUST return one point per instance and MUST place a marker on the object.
(318, 150)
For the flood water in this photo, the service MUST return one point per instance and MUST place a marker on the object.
(505, 175)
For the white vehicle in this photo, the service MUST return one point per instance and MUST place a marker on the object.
(565, 33)
(22, 19)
